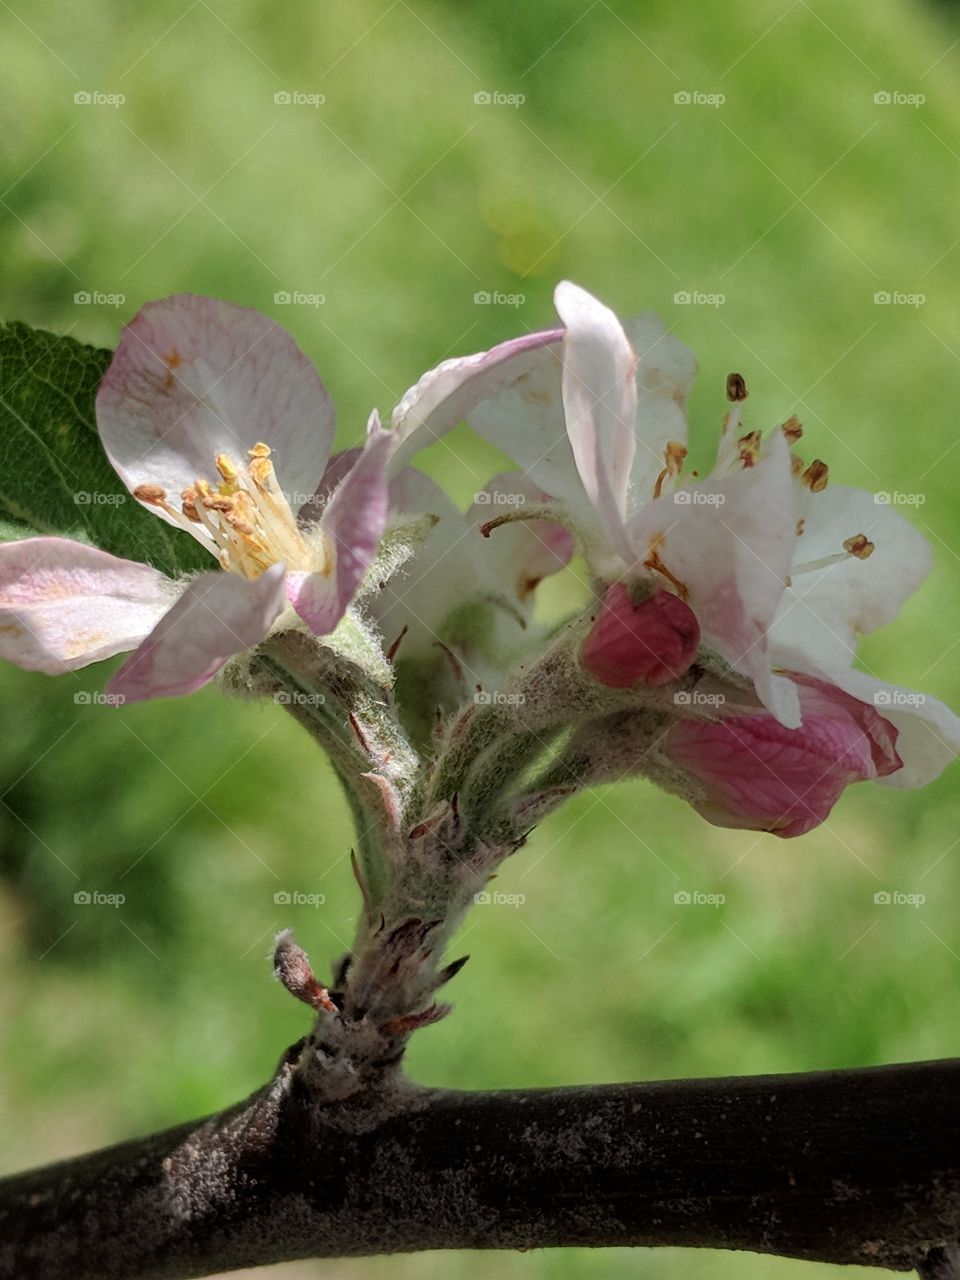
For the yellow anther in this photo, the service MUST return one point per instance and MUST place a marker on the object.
(227, 469)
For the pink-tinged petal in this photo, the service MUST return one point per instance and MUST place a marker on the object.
(64, 605)
(826, 609)
(651, 642)
(728, 543)
(520, 553)
(665, 374)
(928, 731)
(194, 377)
(447, 394)
(600, 402)
(218, 615)
(337, 469)
(447, 568)
(758, 775)
(353, 523)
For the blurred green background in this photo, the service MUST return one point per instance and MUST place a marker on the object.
(797, 199)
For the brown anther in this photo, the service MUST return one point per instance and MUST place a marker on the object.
(749, 448)
(259, 450)
(736, 387)
(188, 501)
(153, 493)
(217, 502)
(859, 546)
(792, 429)
(816, 475)
(801, 525)
(240, 525)
(797, 464)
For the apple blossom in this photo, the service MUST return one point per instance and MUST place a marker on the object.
(779, 573)
(218, 424)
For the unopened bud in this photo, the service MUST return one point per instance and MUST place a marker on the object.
(651, 642)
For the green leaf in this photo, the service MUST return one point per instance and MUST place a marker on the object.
(54, 474)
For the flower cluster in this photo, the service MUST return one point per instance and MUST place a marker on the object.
(722, 611)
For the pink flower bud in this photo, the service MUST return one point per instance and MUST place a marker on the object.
(755, 774)
(651, 643)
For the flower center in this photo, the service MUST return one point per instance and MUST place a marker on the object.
(245, 518)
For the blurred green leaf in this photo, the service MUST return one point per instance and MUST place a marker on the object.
(54, 475)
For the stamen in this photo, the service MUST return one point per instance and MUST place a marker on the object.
(792, 430)
(749, 448)
(152, 493)
(673, 455)
(858, 547)
(736, 387)
(654, 562)
(227, 468)
(816, 475)
(246, 519)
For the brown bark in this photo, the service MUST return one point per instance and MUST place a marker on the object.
(845, 1166)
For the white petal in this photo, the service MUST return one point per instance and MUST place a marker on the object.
(64, 605)
(447, 394)
(219, 615)
(823, 612)
(665, 373)
(194, 377)
(599, 401)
